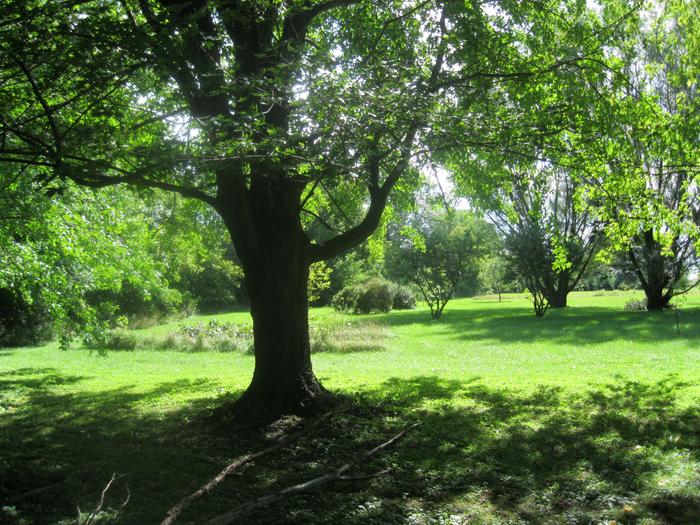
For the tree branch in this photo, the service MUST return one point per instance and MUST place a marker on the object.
(336, 475)
(184, 503)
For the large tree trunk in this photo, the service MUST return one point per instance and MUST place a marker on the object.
(656, 279)
(283, 379)
(557, 297)
(275, 255)
(657, 299)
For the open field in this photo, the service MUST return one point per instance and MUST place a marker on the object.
(586, 416)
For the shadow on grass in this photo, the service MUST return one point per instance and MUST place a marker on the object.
(584, 325)
(624, 452)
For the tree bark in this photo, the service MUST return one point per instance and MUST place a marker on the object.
(657, 299)
(275, 254)
(283, 379)
(558, 295)
(656, 275)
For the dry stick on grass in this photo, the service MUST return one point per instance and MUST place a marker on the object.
(336, 475)
(185, 502)
(90, 520)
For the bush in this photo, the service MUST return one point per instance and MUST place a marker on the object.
(346, 299)
(142, 306)
(375, 296)
(118, 339)
(213, 288)
(635, 305)
(23, 323)
(403, 297)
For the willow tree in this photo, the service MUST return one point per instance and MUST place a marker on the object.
(277, 113)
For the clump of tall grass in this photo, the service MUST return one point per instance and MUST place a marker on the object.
(217, 336)
(214, 336)
(365, 336)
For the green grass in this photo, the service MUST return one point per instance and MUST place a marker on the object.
(586, 416)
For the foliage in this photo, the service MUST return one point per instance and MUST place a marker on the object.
(442, 251)
(403, 297)
(634, 305)
(374, 296)
(319, 280)
(23, 323)
(643, 177)
(346, 299)
(214, 286)
(494, 273)
(85, 258)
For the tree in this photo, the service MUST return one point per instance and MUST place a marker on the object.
(442, 251)
(550, 238)
(493, 274)
(275, 113)
(646, 187)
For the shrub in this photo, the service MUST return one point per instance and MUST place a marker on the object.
(346, 299)
(143, 305)
(214, 287)
(319, 281)
(635, 305)
(403, 297)
(375, 296)
(21, 322)
(118, 339)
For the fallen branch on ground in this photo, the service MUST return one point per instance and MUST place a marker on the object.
(90, 520)
(180, 507)
(336, 475)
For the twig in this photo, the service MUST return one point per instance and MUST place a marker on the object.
(91, 517)
(336, 475)
(90, 520)
(180, 507)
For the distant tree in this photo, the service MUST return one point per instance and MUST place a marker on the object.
(319, 280)
(549, 239)
(493, 274)
(442, 251)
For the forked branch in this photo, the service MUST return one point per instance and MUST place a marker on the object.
(339, 474)
(205, 489)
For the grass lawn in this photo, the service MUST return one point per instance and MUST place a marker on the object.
(589, 415)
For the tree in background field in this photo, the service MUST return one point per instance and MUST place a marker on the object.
(439, 252)
(646, 185)
(549, 239)
(493, 274)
